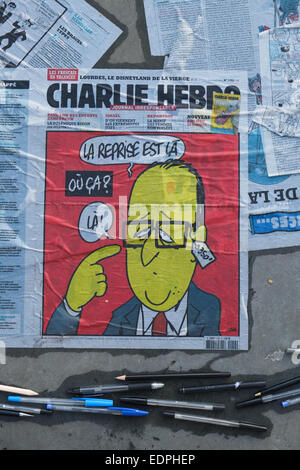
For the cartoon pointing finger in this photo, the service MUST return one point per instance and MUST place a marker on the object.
(89, 280)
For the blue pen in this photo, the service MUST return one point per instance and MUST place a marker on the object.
(128, 411)
(87, 402)
(112, 410)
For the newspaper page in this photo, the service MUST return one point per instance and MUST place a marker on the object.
(280, 54)
(121, 226)
(228, 38)
(163, 18)
(53, 33)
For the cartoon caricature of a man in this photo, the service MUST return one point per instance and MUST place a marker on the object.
(160, 262)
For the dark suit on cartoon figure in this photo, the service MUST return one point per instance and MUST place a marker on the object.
(202, 313)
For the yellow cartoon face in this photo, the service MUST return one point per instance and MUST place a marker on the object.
(160, 231)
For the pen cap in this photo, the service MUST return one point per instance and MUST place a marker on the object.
(91, 402)
(14, 398)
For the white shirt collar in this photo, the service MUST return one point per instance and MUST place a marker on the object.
(176, 319)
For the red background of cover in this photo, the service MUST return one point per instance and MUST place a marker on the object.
(215, 157)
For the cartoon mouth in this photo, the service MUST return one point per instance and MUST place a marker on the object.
(153, 303)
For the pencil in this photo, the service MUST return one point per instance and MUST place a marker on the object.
(178, 375)
(19, 391)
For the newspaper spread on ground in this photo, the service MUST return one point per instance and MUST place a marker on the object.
(53, 33)
(121, 225)
(280, 117)
(226, 36)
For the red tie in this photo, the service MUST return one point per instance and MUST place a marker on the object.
(159, 327)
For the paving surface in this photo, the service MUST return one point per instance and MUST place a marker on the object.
(274, 324)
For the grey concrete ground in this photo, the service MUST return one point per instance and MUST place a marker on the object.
(274, 324)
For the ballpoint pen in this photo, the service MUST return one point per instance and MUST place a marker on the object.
(24, 409)
(268, 398)
(173, 403)
(88, 402)
(98, 390)
(15, 413)
(113, 410)
(217, 421)
(291, 402)
(279, 386)
(221, 387)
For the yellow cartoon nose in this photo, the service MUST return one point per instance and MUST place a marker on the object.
(149, 251)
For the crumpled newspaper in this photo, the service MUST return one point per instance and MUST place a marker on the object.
(283, 121)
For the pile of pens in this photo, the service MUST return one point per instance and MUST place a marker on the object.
(86, 399)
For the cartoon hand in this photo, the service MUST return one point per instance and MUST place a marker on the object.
(89, 280)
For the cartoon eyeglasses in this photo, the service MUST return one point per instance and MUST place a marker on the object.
(167, 234)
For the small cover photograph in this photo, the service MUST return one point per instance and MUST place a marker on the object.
(225, 113)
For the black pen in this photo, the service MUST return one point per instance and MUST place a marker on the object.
(268, 398)
(278, 386)
(217, 421)
(221, 387)
(101, 389)
(174, 403)
(15, 413)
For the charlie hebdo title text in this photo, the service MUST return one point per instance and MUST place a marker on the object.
(104, 95)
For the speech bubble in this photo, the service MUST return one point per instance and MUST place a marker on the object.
(95, 221)
(131, 149)
(89, 183)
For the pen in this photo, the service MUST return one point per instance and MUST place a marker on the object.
(14, 413)
(174, 403)
(293, 401)
(20, 391)
(268, 398)
(114, 388)
(178, 375)
(118, 411)
(221, 387)
(33, 411)
(62, 401)
(278, 386)
(217, 421)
